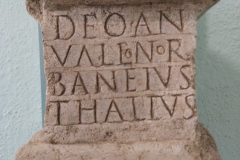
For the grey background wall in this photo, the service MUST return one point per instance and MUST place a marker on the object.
(20, 92)
(218, 77)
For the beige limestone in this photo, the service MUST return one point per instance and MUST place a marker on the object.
(120, 81)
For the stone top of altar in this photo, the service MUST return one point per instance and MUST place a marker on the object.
(35, 8)
(120, 2)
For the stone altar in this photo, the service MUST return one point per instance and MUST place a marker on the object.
(120, 81)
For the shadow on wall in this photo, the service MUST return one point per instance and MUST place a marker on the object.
(43, 77)
(218, 80)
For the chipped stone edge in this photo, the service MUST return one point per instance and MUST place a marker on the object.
(206, 7)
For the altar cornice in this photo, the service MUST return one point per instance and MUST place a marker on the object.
(35, 8)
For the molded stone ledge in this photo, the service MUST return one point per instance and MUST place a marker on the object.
(127, 132)
(36, 8)
(120, 2)
(201, 148)
(175, 150)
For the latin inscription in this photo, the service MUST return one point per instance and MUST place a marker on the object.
(106, 68)
(121, 109)
(114, 24)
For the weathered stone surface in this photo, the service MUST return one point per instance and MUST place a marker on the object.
(202, 148)
(120, 81)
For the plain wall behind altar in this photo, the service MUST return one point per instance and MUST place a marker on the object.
(218, 77)
(20, 91)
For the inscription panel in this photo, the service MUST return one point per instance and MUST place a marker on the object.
(113, 65)
(120, 80)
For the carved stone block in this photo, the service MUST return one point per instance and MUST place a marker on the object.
(120, 81)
